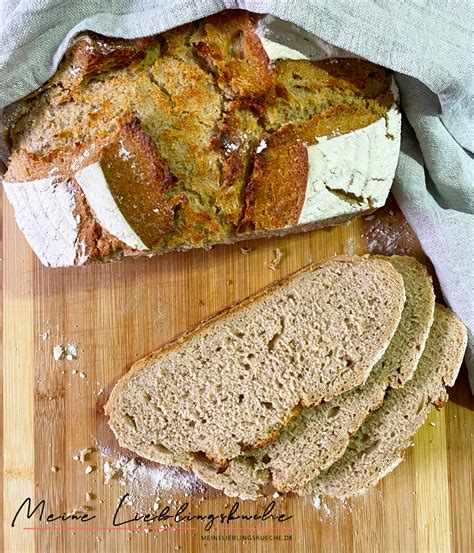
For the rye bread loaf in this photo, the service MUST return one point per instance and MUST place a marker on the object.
(318, 436)
(378, 446)
(195, 137)
(236, 380)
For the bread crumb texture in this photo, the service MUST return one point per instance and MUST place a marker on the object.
(199, 137)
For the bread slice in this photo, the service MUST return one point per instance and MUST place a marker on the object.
(318, 436)
(236, 380)
(378, 446)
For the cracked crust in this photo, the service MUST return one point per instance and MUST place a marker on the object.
(275, 194)
(131, 157)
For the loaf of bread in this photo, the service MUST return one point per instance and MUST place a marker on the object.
(235, 381)
(195, 137)
(232, 409)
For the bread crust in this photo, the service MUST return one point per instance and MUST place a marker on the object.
(275, 194)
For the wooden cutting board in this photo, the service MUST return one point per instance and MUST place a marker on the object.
(116, 313)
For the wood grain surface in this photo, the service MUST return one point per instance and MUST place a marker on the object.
(117, 313)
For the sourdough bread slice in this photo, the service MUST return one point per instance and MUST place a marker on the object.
(233, 382)
(378, 446)
(318, 436)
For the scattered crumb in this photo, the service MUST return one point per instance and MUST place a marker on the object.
(432, 424)
(79, 510)
(246, 250)
(82, 375)
(275, 495)
(46, 335)
(278, 256)
(54, 469)
(74, 371)
(58, 352)
(89, 469)
(110, 472)
(100, 392)
(90, 496)
(83, 455)
(71, 352)
(316, 502)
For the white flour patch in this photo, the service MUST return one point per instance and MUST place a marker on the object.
(149, 485)
(388, 233)
(123, 152)
(261, 146)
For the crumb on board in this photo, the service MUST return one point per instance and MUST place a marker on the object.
(54, 469)
(58, 352)
(82, 510)
(246, 251)
(89, 469)
(278, 256)
(71, 352)
(83, 454)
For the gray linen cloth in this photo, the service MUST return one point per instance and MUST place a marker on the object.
(429, 43)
